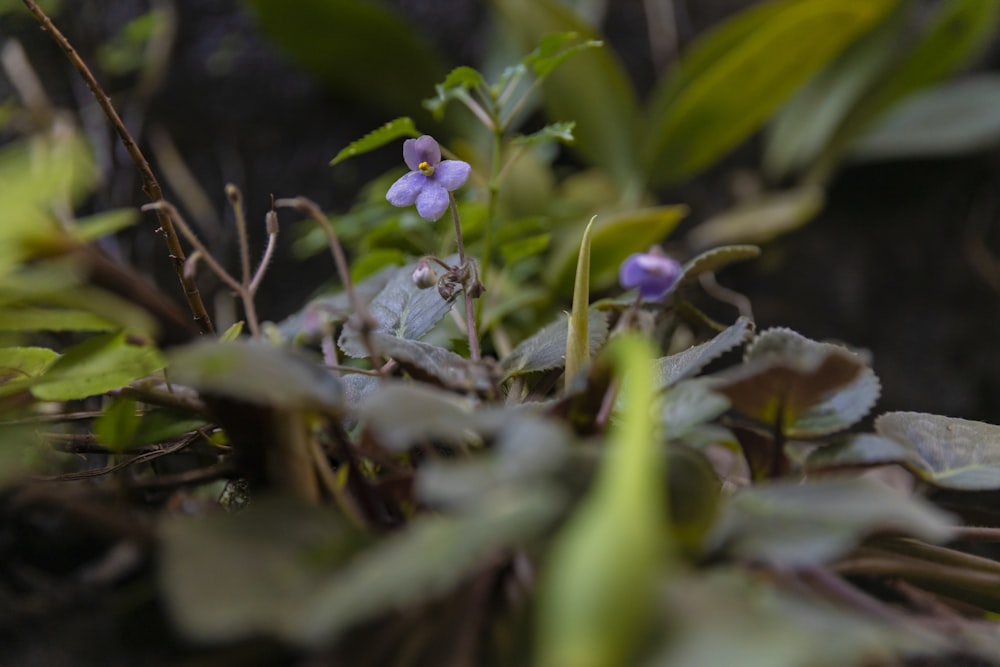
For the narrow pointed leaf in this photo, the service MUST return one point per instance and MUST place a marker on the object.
(390, 132)
(577, 336)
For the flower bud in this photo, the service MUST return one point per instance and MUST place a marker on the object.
(424, 275)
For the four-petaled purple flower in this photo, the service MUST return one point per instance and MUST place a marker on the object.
(651, 272)
(429, 181)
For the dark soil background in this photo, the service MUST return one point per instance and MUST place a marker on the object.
(901, 262)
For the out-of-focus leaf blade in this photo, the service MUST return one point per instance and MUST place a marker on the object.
(21, 366)
(95, 366)
(794, 524)
(950, 119)
(546, 349)
(738, 89)
(604, 109)
(686, 364)
(716, 259)
(946, 451)
(560, 131)
(29, 318)
(760, 220)
(258, 373)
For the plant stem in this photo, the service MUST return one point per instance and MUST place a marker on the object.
(236, 201)
(470, 312)
(366, 325)
(149, 183)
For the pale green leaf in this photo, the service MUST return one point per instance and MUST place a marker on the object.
(687, 363)
(31, 318)
(102, 224)
(21, 366)
(577, 336)
(232, 333)
(117, 426)
(561, 131)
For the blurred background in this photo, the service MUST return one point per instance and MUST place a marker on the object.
(870, 176)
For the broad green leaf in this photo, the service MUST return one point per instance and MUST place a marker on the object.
(97, 365)
(861, 450)
(349, 44)
(21, 366)
(577, 334)
(560, 131)
(100, 225)
(689, 404)
(785, 375)
(231, 575)
(400, 309)
(117, 426)
(391, 131)
(31, 318)
(594, 607)
(676, 367)
(256, 372)
(791, 524)
(731, 616)
(760, 220)
(615, 237)
(299, 574)
(604, 109)
(804, 126)
(958, 30)
(946, 451)
(949, 119)
(374, 261)
(738, 87)
(546, 349)
(715, 259)
(841, 410)
(402, 415)
(436, 365)
(325, 313)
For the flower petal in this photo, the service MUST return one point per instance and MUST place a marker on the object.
(432, 202)
(654, 275)
(421, 149)
(406, 189)
(452, 174)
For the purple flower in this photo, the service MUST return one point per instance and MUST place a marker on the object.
(651, 272)
(429, 181)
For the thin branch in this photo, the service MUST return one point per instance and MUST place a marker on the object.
(141, 458)
(976, 534)
(149, 183)
(470, 313)
(236, 201)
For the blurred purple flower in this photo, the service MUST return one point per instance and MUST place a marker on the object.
(651, 272)
(429, 181)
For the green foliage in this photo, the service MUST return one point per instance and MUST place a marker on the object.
(394, 129)
(97, 365)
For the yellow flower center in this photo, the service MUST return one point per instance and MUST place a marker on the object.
(426, 168)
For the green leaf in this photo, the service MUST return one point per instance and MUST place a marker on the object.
(546, 349)
(790, 524)
(615, 237)
(561, 131)
(436, 365)
(676, 367)
(694, 496)
(785, 375)
(21, 366)
(257, 372)
(950, 119)
(593, 608)
(553, 50)
(162, 425)
(690, 404)
(102, 224)
(97, 365)
(232, 333)
(605, 109)
(402, 415)
(456, 84)
(523, 248)
(31, 318)
(946, 451)
(297, 573)
(391, 131)
(744, 72)
(735, 616)
(841, 410)
(760, 220)
(401, 309)
(577, 335)
(117, 426)
(713, 260)
(349, 44)
(857, 451)
(806, 125)
(372, 262)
